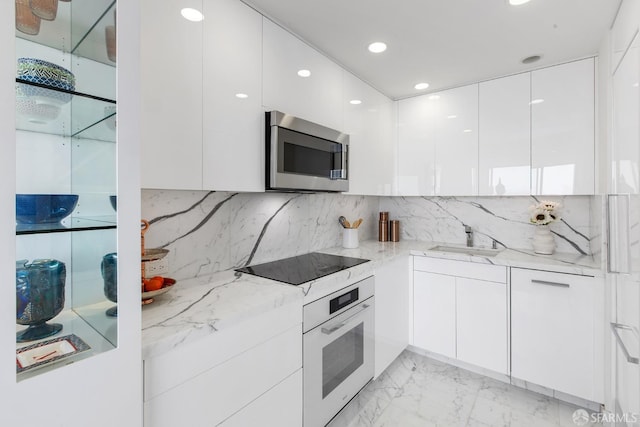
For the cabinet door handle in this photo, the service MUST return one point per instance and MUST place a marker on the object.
(544, 282)
(615, 327)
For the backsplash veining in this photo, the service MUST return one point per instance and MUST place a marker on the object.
(208, 232)
(504, 219)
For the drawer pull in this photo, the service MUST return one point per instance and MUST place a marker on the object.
(615, 327)
(544, 282)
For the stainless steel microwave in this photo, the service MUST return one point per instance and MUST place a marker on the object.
(304, 156)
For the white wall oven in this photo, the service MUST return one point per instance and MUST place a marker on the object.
(338, 350)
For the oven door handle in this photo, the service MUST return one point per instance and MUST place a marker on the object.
(328, 330)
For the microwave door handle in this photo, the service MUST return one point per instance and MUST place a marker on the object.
(342, 172)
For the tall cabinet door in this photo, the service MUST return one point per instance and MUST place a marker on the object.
(456, 154)
(504, 147)
(368, 117)
(562, 129)
(625, 150)
(233, 123)
(434, 313)
(171, 58)
(416, 146)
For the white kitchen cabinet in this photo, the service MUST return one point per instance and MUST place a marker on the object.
(625, 150)
(481, 323)
(438, 143)
(317, 97)
(392, 285)
(369, 121)
(460, 311)
(556, 331)
(281, 406)
(434, 313)
(456, 149)
(562, 129)
(233, 125)
(216, 377)
(416, 146)
(171, 122)
(505, 133)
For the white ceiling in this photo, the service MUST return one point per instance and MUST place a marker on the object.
(445, 43)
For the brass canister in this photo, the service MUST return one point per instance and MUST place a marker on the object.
(383, 231)
(394, 230)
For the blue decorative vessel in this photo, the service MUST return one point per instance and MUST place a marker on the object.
(39, 297)
(44, 208)
(109, 270)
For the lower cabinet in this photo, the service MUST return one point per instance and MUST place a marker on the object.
(461, 311)
(230, 377)
(281, 406)
(434, 313)
(556, 331)
(392, 283)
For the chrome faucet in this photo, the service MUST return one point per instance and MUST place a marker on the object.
(469, 232)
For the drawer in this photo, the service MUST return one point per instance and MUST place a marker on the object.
(218, 393)
(170, 369)
(469, 270)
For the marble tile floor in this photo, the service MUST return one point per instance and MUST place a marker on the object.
(416, 391)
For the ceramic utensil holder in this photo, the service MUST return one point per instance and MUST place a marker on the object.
(350, 238)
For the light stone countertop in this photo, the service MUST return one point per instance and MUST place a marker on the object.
(199, 307)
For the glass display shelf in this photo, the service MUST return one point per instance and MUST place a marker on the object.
(81, 322)
(80, 28)
(44, 109)
(71, 223)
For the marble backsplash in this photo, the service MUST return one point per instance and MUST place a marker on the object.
(504, 219)
(207, 232)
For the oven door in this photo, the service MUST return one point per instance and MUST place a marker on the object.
(303, 162)
(338, 362)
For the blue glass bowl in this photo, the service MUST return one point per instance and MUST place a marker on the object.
(44, 208)
(114, 202)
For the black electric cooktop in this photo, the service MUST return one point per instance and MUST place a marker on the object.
(302, 268)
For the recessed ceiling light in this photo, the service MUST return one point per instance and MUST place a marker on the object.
(304, 73)
(421, 86)
(536, 101)
(467, 131)
(434, 97)
(531, 59)
(453, 116)
(242, 95)
(636, 84)
(355, 102)
(518, 2)
(377, 47)
(191, 14)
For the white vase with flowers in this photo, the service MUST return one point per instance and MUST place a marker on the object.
(543, 214)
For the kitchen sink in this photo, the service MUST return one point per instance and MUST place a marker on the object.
(486, 252)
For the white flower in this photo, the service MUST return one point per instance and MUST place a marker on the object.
(540, 217)
(544, 212)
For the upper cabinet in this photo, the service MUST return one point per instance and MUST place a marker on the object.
(233, 123)
(172, 70)
(563, 129)
(625, 150)
(416, 145)
(438, 143)
(368, 119)
(456, 155)
(298, 80)
(504, 148)
(531, 133)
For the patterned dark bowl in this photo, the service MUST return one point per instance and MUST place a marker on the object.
(46, 73)
(44, 208)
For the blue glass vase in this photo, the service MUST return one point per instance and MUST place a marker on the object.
(39, 297)
(109, 270)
